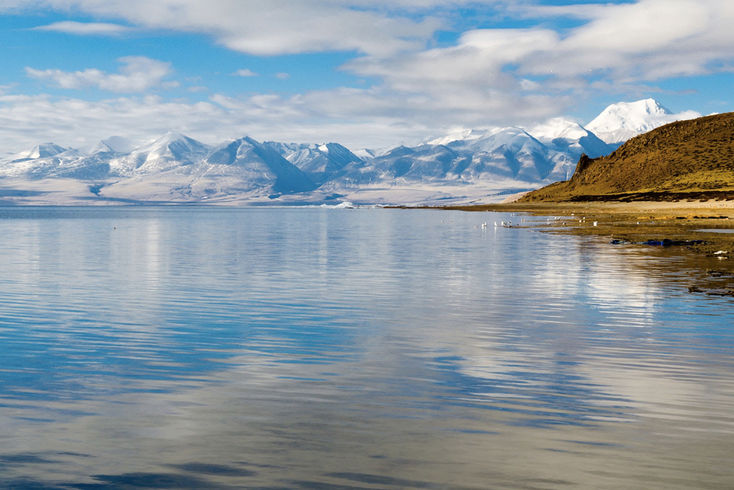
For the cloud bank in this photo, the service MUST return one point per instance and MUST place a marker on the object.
(416, 87)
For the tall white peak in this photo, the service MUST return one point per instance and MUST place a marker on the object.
(620, 122)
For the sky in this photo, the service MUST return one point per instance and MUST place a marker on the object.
(365, 73)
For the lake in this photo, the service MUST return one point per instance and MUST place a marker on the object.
(196, 347)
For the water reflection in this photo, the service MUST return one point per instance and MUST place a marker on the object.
(195, 347)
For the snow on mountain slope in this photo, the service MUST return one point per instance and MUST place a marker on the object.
(365, 153)
(113, 144)
(320, 162)
(53, 161)
(511, 139)
(458, 135)
(558, 127)
(241, 170)
(42, 150)
(470, 157)
(169, 151)
(421, 163)
(620, 122)
(259, 165)
(567, 136)
(508, 152)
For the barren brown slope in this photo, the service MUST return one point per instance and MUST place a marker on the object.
(683, 160)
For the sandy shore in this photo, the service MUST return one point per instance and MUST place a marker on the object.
(701, 232)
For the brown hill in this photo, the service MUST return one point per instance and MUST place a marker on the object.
(684, 160)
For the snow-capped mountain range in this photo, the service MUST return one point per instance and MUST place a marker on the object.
(465, 166)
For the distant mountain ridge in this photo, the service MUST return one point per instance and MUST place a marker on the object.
(464, 166)
(684, 159)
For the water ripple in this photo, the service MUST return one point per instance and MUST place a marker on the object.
(355, 348)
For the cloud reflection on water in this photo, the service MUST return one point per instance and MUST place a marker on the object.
(361, 346)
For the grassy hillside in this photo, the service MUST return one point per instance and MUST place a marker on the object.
(683, 160)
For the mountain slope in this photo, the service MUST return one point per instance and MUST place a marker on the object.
(624, 120)
(510, 152)
(320, 163)
(694, 157)
(260, 164)
(50, 161)
(42, 150)
(167, 152)
(570, 137)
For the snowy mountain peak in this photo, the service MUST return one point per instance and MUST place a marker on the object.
(505, 139)
(460, 134)
(173, 136)
(319, 162)
(565, 135)
(43, 150)
(230, 152)
(166, 152)
(335, 151)
(113, 144)
(170, 138)
(174, 145)
(118, 144)
(622, 121)
(249, 140)
(645, 106)
(558, 127)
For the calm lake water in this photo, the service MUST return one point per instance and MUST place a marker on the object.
(190, 347)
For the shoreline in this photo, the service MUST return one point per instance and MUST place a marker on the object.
(700, 232)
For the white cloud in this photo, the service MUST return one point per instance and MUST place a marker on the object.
(357, 118)
(647, 40)
(282, 76)
(478, 60)
(624, 45)
(245, 72)
(137, 74)
(269, 27)
(26, 120)
(614, 35)
(86, 28)
(488, 77)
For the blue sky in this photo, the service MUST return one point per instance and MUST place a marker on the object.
(365, 73)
